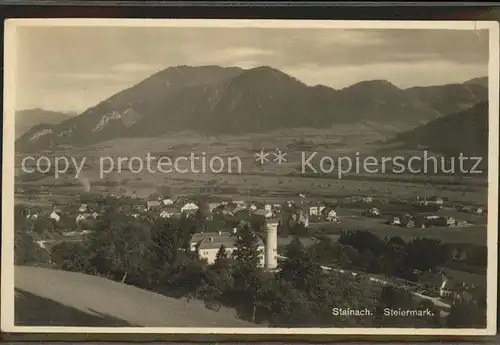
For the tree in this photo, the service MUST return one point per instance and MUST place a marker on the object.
(221, 254)
(325, 251)
(165, 192)
(186, 275)
(299, 268)
(71, 257)
(202, 214)
(362, 241)
(247, 253)
(43, 224)
(121, 245)
(165, 242)
(425, 254)
(466, 314)
(26, 251)
(247, 282)
(285, 306)
(217, 280)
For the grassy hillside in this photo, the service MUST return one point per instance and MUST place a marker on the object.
(53, 294)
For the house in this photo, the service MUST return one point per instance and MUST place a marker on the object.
(332, 217)
(227, 212)
(31, 215)
(253, 207)
(451, 289)
(55, 215)
(170, 212)
(372, 212)
(167, 202)
(213, 206)
(436, 200)
(314, 211)
(395, 221)
(410, 223)
(451, 221)
(268, 207)
(263, 213)
(461, 223)
(208, 244)
(83, 208)
(82, 217)
(436, 221)
(331, 214)
(153, 205)
(240, 208)
(466, 209)
(367, 199)
(189, 207)
(479, 211)
(353, 199)
(303, 219)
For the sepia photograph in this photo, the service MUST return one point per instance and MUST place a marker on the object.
(250, 176)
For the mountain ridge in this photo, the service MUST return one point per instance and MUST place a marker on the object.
(29, 118)
(212, 99)
(465, 132)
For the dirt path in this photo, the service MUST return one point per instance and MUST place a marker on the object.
(99, 296)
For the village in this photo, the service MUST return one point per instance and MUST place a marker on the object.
(431, 212)
(276, 223)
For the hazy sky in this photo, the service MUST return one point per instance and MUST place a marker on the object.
(71, 69)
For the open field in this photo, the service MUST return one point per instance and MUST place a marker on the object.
(119, 304)
(270, 180)
(270, 183)
(469, 234)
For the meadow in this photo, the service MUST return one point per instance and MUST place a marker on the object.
(268, 182)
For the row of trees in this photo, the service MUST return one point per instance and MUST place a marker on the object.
(395, 257)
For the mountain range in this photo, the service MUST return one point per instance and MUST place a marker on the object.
(28, 118)
(231, 100)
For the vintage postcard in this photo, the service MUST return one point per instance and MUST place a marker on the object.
(250, 177)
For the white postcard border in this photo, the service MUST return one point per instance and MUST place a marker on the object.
(7, 269)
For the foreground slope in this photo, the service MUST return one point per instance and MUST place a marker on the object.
(97, 296)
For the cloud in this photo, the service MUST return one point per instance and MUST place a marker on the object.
(132, 67)
(87, 76)
(403, 75)
(230, 56)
